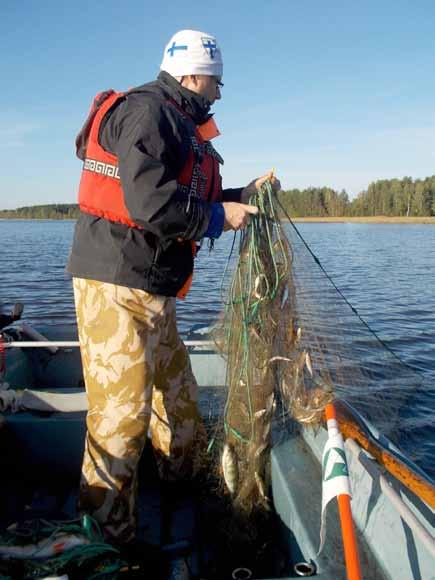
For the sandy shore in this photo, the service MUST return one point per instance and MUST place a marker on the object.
(380, 219)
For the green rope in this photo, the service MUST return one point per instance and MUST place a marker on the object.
(100, 559)
(249, 293)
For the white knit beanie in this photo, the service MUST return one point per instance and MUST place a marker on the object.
(190, 52)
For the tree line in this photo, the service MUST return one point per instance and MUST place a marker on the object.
(388, 197)
(63, 211)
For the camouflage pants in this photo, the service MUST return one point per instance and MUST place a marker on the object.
(138, 379)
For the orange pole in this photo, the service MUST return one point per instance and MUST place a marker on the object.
(350, 545)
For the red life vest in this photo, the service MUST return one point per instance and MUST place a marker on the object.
(100, 191)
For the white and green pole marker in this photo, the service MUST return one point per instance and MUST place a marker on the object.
(335, 473)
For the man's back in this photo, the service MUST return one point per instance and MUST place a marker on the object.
(151, 138)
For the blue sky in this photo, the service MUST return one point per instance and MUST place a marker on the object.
(336, 93)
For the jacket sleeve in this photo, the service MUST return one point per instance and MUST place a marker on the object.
(233, 194)
(151, 145)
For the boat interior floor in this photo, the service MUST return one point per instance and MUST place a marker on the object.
(183, 528)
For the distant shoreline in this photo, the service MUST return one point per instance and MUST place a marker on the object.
(345, 219)
(14, 219)
(380, 219)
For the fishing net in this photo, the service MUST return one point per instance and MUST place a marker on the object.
(292, 344)
(39, 548)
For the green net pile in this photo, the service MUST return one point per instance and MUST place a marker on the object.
(35, 549)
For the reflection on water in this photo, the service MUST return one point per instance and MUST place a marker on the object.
(385, 270)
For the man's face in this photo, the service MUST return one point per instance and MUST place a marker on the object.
(208, 87)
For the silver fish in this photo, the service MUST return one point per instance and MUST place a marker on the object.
(284, 297)
(230, 468)
(298, 334)
(257, 284)
(308, 363)
(260, 449)
(301, 360)
(261, 487)
(270, 403)
(275, 358)
(306, 418)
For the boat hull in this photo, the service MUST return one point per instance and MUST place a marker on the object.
(47, 447)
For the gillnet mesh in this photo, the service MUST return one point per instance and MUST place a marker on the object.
(293, 344)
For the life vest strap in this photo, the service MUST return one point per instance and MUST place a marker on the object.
(182, 292)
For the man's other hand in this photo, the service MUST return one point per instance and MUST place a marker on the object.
(237, 215)
(256, 184)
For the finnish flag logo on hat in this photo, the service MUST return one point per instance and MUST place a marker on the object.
(210, 46)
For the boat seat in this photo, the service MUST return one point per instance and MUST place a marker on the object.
(38, 442)
(60, 399)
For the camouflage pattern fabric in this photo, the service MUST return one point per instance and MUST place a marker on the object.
(138, 378)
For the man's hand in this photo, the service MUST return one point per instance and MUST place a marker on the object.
(256, 184)
(237, 215)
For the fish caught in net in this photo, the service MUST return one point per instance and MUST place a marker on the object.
(268, 370)
(292, 345)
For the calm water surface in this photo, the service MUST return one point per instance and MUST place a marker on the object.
(385, 270)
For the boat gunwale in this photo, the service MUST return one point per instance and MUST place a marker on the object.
(352, 424)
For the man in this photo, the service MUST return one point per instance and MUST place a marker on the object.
(150, 189)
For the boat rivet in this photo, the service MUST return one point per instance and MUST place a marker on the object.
(305, 569)
(241, 574)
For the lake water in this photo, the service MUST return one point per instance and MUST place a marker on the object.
(385, 270)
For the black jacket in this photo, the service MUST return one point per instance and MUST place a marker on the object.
(151, 140)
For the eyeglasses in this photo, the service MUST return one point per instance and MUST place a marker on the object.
(219, 84)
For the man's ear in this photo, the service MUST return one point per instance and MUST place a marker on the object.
(190, 82)
(185, 80)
